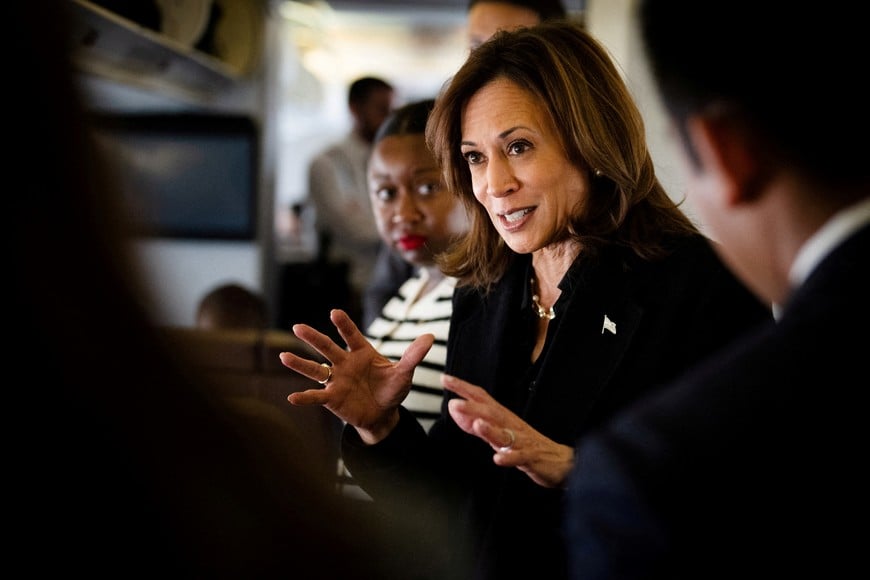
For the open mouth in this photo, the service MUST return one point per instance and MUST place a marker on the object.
(514, 220)
(516, 216)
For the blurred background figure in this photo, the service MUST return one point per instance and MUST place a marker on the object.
(338, 191)
(232, 305)
(486, 17)
(750, 462)
(131, 464)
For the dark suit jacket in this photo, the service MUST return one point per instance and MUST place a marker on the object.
(752, 465)
(666, 315)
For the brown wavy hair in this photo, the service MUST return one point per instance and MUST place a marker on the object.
(574, 78)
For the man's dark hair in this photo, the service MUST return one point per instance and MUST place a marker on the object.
(790, 74)
(361, 88)
(546, 9)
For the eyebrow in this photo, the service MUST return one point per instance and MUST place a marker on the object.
(501, 135)
(422, 170)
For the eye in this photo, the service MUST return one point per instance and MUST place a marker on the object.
(428, 188)
(384, 194)
(473, 157)
(518, 147)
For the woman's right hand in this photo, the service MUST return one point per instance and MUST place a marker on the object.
(365, 388)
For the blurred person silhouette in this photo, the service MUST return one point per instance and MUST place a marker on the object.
(484, 19)
(749, 465)
(338, 190)
(232, 305)
(581, 287)
(131, 467)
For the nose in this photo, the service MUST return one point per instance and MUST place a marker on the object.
(500, 179)
(405, 209)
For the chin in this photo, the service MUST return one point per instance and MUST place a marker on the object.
(520, 247)
(416, 258)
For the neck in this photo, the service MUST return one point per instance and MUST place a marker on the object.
(550, 265)
(433, 276)
(552, 262)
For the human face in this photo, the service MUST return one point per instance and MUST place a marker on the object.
(370, 114)
(486, 18)
(415, 213)
(519, 169)
(723, 162)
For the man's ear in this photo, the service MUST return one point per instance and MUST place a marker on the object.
(729, 154)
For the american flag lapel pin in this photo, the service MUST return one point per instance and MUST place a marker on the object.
(608, 325)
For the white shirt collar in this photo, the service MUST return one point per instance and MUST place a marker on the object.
(828, 237)
(821, 243)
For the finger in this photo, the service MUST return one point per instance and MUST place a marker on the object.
(309, 397)
(292, 361)
(497, 437)
(312, 369)
(477, 404)
(416, 351)
(490, 412)
(475, 420)
(511, 437)
(465, 389)
(458, 411)
(318, 341)
(348, 330)
(513, 458)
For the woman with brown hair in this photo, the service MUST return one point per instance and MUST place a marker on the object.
(581, 287)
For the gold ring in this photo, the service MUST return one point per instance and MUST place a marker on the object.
(329, 376)
(509, 446)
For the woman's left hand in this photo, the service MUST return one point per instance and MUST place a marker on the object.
(515, 442)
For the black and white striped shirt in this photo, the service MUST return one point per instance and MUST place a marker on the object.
(405, 316)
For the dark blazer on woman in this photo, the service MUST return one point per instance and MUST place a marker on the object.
(751, 466)
(622, 328)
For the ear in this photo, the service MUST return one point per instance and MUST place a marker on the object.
(728, 154)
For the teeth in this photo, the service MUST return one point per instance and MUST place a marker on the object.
(516, 216)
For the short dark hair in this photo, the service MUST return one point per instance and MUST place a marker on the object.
(791, 75)
(546, 9)
(409, 119)
(233, 306)
(363, 87)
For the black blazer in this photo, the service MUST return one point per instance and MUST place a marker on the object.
(664, 316)
(753, 463)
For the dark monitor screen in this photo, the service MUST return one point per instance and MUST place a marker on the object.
(185, 176)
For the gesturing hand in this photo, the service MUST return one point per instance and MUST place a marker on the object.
(515, 442)
(365, 388)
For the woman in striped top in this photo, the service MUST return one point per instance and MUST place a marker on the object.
(421, 305)
(417, 218)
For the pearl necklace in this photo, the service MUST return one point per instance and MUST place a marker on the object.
(536, 305)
